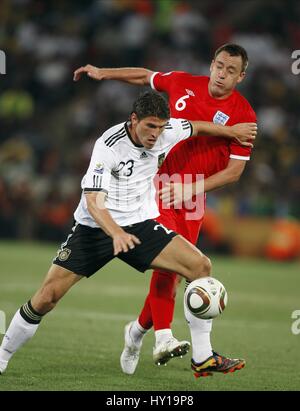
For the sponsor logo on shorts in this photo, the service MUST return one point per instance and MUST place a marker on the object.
(64, 254)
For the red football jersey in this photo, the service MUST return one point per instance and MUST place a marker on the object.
(189, 98)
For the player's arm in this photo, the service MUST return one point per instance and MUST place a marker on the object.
(177, 193)
(244, 133)
(122, 241)
(230, 174)
(133, 75)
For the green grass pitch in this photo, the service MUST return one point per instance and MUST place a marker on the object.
(78, 345)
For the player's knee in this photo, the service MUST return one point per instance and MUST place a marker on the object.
(206, 269)
(202, 268)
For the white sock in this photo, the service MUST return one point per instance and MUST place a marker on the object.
(200, 334)
(18, 332)
(163, 335)
(137, 332)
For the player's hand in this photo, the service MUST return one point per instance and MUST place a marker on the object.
(123, 242)
(173, 194)
(91, 71)
(244, 133)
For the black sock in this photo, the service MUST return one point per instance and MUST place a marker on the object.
(29, 314)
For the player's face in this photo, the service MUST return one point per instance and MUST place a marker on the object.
(147, 130)
(225, 73)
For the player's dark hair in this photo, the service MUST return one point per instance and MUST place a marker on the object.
(151, 103)
(234, 50)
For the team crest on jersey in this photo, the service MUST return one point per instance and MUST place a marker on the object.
(64, 254)
(99, 169)
(160, 159)
(220, 118)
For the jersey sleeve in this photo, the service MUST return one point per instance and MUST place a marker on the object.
(180, 129)
(98, 175)
(163, 81)
(237, 151)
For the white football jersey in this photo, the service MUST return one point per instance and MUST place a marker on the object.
(125, 171)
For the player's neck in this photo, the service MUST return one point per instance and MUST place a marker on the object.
(218, 97)
(132, 134)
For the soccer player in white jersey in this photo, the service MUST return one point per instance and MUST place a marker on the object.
(117, 210)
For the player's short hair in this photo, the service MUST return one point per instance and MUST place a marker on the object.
(151, 103)
(234, 50)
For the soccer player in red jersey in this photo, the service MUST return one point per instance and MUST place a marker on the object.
(220, 161)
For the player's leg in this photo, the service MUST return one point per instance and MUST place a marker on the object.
(177, 256)
(182, 257)
(162, 323)
(164, 285)
(204, 360)
(55, 285)
(158, 309)
(155, 238)
(162, 291)
(200, 336)
(159, 305)
(200, 329)
(162, 302)
(27, 319)
(83, 253)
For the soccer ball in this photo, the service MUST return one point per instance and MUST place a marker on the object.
(205, 298)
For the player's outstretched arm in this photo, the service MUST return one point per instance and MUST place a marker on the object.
(122, 241)
(244, 133)
(176, 193)
(132, 75)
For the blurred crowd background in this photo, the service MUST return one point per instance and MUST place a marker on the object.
(49, 123)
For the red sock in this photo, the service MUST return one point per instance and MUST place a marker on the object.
(145, 318)
(161, 299)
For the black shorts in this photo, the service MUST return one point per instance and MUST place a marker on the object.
(87, 249)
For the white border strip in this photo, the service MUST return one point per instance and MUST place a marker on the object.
(151, 80)
(235, 157)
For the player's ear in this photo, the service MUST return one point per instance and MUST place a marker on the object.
(211, 65)
(241, 77)
(134, 119)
